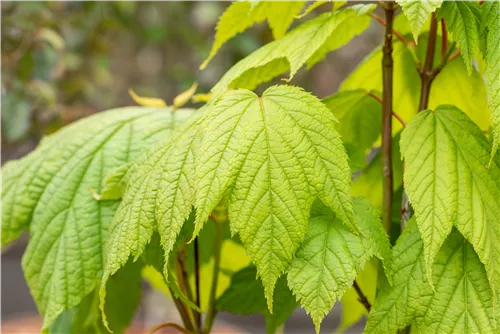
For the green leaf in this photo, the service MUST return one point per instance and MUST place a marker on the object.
(418, 13)
(368, 76)
(241, 15)
(16, 119)
(47, 192)
(245, 296)
(491, 17)
(462, 22)
(269, 157)
(292, 51)
(449, 87)
(360, 120)
(369, 183)
(352, 309)
(462, 301)
(158, 197)
(467, 93)
(326, 264)
(448, 183)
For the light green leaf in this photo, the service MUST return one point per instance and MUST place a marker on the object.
(326, 264)
(268, 157)
(418, 13)
(467, 93)
(241, 15)
(369, 182)
(461, 303)
(245, 296)
(158, 196)
(368, 76)
(491, 16)
(352, 309)
(360, 120)
(449, 87)
(48, 193)
(292, 51)
(462, 22)
(448, 183)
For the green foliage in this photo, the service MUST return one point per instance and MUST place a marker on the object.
(490, 20)
(241, 15)
(462, 21)
(270, 156)
(311, 40)
(458, 189)
(47, 193)
(331, 256)
(245, 296)
(461, 302)
(418, 13)
(246, 205)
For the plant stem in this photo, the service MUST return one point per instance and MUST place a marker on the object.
(212, 311)
(388, 69)
(427, 75)
(197, 282)
(168, 324)
(183, 312)
(362, 298)
(395, 32)
(184, 286)
(396, 116)
(444, 40)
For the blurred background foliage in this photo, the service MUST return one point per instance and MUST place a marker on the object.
(62, 61)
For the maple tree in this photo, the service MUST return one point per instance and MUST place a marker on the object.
(262, 204)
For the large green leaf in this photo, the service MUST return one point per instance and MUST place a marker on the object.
(491, 21)
(449, 87)
(368, 76)
(241, 15)
(269, 157)
(47, 193)
(418, 13)
(294, 49)
(360, 121)
(158, 196)
(326, 264)
(462, 301)
(448, 183)
(462, 22)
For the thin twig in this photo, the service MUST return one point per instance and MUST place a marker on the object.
(388, 69)
(197, 282)
(183, 312)
(444, 40)
(396, 116)
(212, 311)
(168, 324)
(395, 32)
(361, 297)
(427, 75)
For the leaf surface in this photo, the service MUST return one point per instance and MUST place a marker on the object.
(326, 264)
(462, 22)
(418, 13)
(158, 196)
(269, 157)
(293, 50)
(241, 15)
(448, 183)
(47, 192)
(491, 20)
(461, 303)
